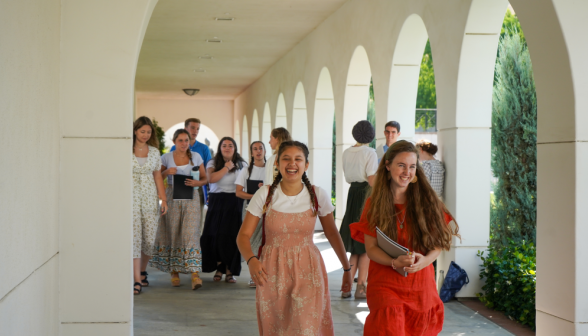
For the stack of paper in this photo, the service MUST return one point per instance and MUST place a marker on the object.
(392, 248)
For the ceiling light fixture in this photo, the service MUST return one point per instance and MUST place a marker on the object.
(224, 18)
(214, 40)
(206, 57)
(200, 70)
(191, 92)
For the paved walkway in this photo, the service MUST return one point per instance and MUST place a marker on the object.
(229, 309)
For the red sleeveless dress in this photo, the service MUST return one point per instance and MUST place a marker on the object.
(400, 306)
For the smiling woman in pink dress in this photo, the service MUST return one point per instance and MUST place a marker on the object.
(293, 291)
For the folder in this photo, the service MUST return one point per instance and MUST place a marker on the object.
(391, 248)
(181, 190)
(253, 186)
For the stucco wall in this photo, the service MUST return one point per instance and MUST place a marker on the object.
(29, 134)
(216, 114)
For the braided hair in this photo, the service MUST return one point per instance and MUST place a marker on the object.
(189, 151)
(250, 168)
(313, 198)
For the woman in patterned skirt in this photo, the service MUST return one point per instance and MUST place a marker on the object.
(292, 287)
(147, 185)
(177, 245)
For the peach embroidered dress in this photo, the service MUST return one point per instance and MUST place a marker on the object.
(296, 299)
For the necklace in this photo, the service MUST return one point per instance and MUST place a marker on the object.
(141, 148)
(292, 202)
(403, 219)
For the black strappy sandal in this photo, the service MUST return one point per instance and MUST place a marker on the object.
(137, 291)
(144, 282)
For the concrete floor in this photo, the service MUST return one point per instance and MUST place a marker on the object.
(229, 309)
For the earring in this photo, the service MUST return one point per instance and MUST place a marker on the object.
(414, 179)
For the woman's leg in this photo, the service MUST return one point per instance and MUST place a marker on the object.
(137, 271)
(353, 261)
(364, 264)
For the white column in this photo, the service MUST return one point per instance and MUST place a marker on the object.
(99, 51)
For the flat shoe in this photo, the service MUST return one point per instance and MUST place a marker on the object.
(346, 295)
(360, 292)
(252, 284)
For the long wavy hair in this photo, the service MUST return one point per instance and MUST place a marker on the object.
(219, 161)
(189, 151)
(313, 199)
(424, 210)
(250, 168)
(140, 122)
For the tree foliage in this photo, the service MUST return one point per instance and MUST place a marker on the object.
(514, 149)
(160, 137)
(427, 94)
(371, 112)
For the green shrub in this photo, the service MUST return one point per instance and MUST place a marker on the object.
(509, 273)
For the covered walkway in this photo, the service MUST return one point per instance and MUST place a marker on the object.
(219, 309)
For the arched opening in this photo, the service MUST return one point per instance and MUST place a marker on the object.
(237, 132)
(354, 109)
(266, 128)
(254, 128)
(281, 114)
(245, 138)
(205, 136)
(299, 116)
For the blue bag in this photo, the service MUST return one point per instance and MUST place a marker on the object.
(454, 281)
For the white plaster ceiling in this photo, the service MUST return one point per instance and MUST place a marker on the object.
(263, 31)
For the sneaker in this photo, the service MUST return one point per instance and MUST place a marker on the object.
(252, 284)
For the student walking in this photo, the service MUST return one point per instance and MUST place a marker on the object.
(391, 132)
(254, 174)
(177, 244)
(277, 136)
(405, 207)
(360, 164)
(147, 189)
(433, 168)
(223, 218)
(292, 296)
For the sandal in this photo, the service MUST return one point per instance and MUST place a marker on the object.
(175, 280)
(230, 279)
(137, 291)
(144, 282)
(217, 277)
(360, 292)
(196, 281)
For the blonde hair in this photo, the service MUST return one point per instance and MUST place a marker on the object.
(282, 135)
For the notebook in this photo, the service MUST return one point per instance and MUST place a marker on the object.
(392, 248)
(253, 186)
(181, 190)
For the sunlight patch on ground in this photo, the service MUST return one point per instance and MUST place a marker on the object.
(332, 263)
(362, 305)
(361, 316)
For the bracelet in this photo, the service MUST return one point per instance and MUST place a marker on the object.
(393, 267)
(164, 201)
(252, 258)
(347, 270)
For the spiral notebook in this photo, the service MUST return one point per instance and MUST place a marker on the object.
(391, 248)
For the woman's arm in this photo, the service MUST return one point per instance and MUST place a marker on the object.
(332, 234)
(371, 180)
(202, 181)
(423, 261)
(214, 177)
(240, 191)
(258, 273)
(376, 254)
(160, 190)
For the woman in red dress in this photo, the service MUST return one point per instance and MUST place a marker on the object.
(405, 207)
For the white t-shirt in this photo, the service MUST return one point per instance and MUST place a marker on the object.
(168, 161)
(269, 171)
(290, 204)
(258, 173)
(359, 163)
(227, 183)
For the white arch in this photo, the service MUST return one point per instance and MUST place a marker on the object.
(299, 115)
(245, 139)
(281, 113)
(254, 128)
(354, 109)
(266, 127)
(404, 79)
(237, 133)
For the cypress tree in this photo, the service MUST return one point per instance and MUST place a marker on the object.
(514, 144)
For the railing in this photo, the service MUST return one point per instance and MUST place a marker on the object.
(426, 120)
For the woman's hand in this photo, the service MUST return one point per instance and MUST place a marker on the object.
(347, 283)
(404, 260)
(258, 273)
(170, 171)
(230, 165)
(421, 262)
(163, 207)
(193, 183)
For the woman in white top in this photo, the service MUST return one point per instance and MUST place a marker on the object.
(147, 185)
(360, 164)
(223, 218)
(433, 168)
(292, 296)
(277, 136)
(177, 244)
(254, 174)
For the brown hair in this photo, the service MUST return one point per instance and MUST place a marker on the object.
(140, 122)
(394, 124)
(282, 135)
(219, 161)
(313, 199)
(424, 210)
(189, 151)
(427, 147)
(191, 120)
(250, 168)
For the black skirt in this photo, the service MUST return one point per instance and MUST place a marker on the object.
(355, 201)
(219, 238)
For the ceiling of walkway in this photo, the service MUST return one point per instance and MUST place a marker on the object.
(175, 49)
